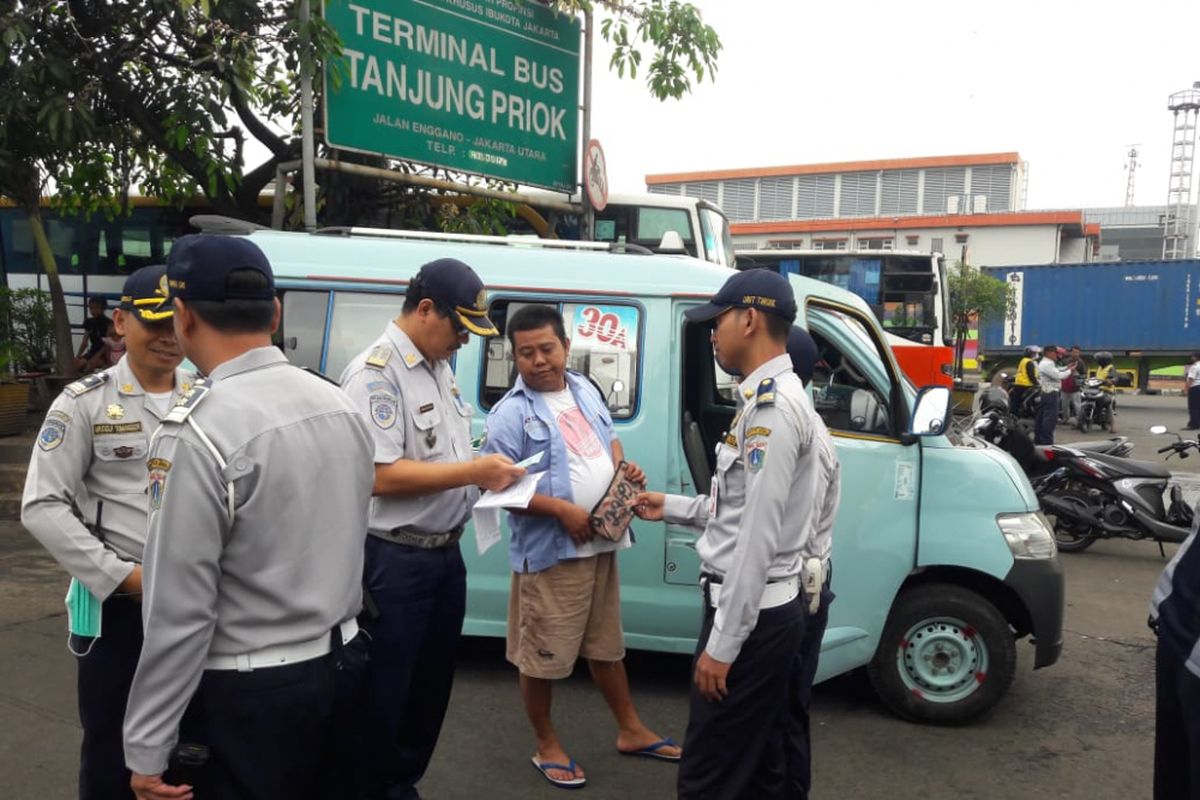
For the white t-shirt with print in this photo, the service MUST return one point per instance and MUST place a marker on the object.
(591, 466)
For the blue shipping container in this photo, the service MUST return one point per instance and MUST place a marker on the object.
(1122, 306)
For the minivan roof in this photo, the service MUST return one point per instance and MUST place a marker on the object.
(368, 259)
(518, 262)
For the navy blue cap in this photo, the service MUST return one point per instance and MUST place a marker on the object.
(754, 288)
(145, 294)
(457, 289)
(802, 350)
(199, 266)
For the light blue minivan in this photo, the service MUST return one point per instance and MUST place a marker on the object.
(941, 560)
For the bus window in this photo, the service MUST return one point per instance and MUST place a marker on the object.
(604, 347)
(358, 319)
(303, 327)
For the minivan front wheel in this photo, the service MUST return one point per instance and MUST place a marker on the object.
(946, 656)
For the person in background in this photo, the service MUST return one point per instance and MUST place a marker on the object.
(565, 600)
(802, 350)
(1050, 378)
(95, 328)
(1072, 386)
(114, 345)
(1024, 380)
(85, 501)
(1192, 378)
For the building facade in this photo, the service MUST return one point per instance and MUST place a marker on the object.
(966, 207)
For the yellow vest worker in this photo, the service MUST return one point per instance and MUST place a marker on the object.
(1023, 377)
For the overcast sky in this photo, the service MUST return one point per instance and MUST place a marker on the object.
(1068, 84)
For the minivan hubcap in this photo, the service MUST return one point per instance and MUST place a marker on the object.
(942, 660)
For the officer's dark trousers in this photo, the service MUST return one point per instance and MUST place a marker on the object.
(1193, 401)
(270, 732)
(421, 595)
(1047, 419)
(798, 744)
(104, 676)
(1177, 728)
(736, 748)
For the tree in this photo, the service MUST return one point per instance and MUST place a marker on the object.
(974, 297)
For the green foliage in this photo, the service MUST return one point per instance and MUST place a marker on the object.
(976, 297)
(27, 328)
(680, 43)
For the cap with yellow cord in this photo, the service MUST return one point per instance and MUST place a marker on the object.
(145, 295)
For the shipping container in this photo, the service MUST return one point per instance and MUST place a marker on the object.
(1132, 308)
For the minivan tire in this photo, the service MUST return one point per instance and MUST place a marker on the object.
(928, 623)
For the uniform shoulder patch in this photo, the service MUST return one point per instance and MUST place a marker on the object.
(86, 384)
(54, 430)
(379, 356)
(765, 395)
(186, 404)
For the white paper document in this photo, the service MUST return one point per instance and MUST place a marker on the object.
(486, 513)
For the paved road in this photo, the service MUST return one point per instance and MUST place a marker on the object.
(1080, 729)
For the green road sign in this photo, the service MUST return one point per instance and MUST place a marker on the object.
(483, 86)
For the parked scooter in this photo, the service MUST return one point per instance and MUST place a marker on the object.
(1096, 496)
(1096, 406)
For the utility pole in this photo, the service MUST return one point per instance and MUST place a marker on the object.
(1130, 168)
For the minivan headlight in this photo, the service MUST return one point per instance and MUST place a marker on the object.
(1028, 535)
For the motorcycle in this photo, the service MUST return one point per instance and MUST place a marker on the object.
(997, 426)
(1095, 496)
(1096, 406)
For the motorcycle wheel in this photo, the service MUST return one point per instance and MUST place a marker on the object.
(1084, 423)
(1072, 537)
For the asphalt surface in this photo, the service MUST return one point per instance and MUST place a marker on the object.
(1083, 728)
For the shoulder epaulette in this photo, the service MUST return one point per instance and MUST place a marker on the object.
(186, 404)
(379, 357)
(765, 395)
(86, 384)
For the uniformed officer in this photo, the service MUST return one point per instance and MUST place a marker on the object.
(425, 485)
(85, 501)
(259, 482)
(1175, 617)
(764, 552)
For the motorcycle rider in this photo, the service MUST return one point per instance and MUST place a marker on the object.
(1026, 379)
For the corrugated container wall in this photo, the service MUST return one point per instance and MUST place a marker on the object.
(1149, 306)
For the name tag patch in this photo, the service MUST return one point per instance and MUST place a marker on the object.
(106, 429)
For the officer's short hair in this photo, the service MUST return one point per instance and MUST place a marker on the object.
(778, 327)
(535, 317)
(415, 293)
(238, 316)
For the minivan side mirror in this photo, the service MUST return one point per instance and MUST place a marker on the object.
(931, 412)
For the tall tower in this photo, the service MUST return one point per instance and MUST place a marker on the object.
(1177, 232)
(1131, 167)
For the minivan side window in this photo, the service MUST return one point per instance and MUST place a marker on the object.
(358, 319)
(604, 347)
(303, 326)
(849, 396)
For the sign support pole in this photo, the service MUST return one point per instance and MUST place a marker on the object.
(586, 232)
(307, 149)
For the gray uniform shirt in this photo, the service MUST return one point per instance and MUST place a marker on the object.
(92, 449)
(774, 500)
(416, 413)
(289, 566)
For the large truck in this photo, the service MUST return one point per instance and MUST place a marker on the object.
(1146, 313)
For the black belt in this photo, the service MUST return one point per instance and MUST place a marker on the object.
(412, 537)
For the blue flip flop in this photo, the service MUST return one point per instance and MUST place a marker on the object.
(570, 783)
(651, 750)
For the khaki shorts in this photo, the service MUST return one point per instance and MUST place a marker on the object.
(569, 610)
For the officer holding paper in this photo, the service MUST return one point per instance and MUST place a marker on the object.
(85, 501)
